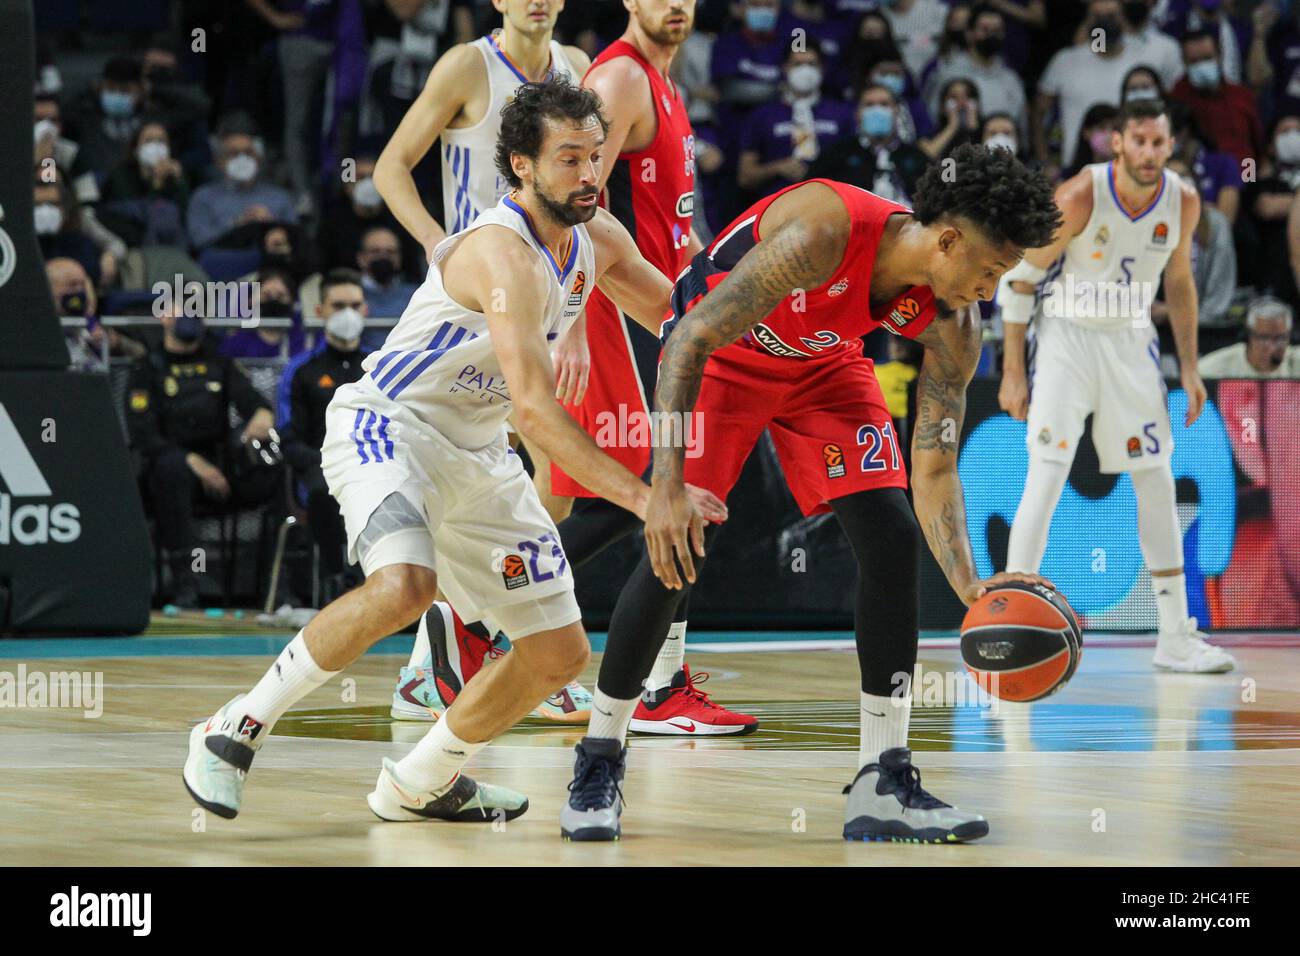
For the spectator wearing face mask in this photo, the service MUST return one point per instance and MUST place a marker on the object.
(283, 250)
(144, 198)
(1154, 46)
(980, 60)
(1266, 353)
(1262, 242)
(1275, 66)
(833, 31)
(59, 229)
(1211, 16)
(781, 139)
(1218, 176)
(952, 41)
(360, 207)
(917, 26)
(238, 197)
(305, 391)
(1224, 110)
(874, 158)
(1093, 145)
(380, 262)
(180, 105)
(104, 119)
(960, 105)
(276, 292)
(1079, 76)
(746, 63)
(51, 145)
(178, 404)
(884, 66)
(74, 296)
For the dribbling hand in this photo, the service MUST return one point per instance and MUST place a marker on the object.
(976, 589)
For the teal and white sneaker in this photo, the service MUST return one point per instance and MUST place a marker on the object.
(465, 801)
(220, 754)
(571, 704)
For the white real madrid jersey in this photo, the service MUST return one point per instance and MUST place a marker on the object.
(1111, 270)
(470, 181)
(438, 360)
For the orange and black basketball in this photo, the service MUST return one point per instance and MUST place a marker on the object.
(1021, 641)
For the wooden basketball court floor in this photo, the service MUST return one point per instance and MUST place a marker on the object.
(1125, 766)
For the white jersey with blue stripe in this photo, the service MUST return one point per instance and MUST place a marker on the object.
(438, 360)
(470, 181)
(1119, 250)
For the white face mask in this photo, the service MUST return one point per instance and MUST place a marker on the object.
(804, 78)
(49, 219)
(1288, 146)
(366, 194)
(346, 325)
(152, 153)
(46, 128)
(1001, 141)
(241, 168)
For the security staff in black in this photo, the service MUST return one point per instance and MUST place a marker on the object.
(306, 389)
(178, 414)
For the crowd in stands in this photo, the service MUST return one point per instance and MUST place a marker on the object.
(238, 140)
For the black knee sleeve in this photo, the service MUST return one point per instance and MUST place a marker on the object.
(886, 541)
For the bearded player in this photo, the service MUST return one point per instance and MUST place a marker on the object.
(1126, 222)
(461, 104)
(766, 335)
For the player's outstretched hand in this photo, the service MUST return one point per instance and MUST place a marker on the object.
(674, 527)
(976, 590)
(1196, 395)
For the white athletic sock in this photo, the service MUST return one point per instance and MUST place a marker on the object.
(610, 716)
(421, 650)
(670, 658)
(437, 759)
(1171, 601)
(292, 677)
(884, 725)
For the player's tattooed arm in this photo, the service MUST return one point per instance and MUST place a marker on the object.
(800, 254)
(952, 347)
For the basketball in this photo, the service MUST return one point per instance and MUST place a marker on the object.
(1021, 642)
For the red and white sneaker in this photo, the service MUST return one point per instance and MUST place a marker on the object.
(682, 709)
(423, 693)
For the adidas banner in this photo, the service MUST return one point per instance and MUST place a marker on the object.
(74, 552)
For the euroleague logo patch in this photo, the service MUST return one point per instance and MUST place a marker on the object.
(579, 284)
(833, 455)
(997, 605)
(513, 572)
(907, 310)
(1134, 447)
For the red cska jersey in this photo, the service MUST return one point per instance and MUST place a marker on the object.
(821, 322)
(652, 192)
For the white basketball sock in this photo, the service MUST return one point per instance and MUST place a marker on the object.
(670, 658)
(1171, 601)
(436, 760)
(420, 651)
(292, 677)
(884, 725)
(1028, 540)
(610, 716)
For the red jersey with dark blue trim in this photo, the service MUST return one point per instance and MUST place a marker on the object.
(652, 191)
(818, 323)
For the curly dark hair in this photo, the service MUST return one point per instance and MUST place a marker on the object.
(523, 119)
(1006, 200)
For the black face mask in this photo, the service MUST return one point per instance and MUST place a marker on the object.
(1136, 14)
(383, 270)
(956, 38)
(278, 260)
(276, 308)
(75, 303)
(989, 46)
(1111, 26)
(188, 328)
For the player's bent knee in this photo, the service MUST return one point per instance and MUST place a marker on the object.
(555, 656)
(406, 590)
